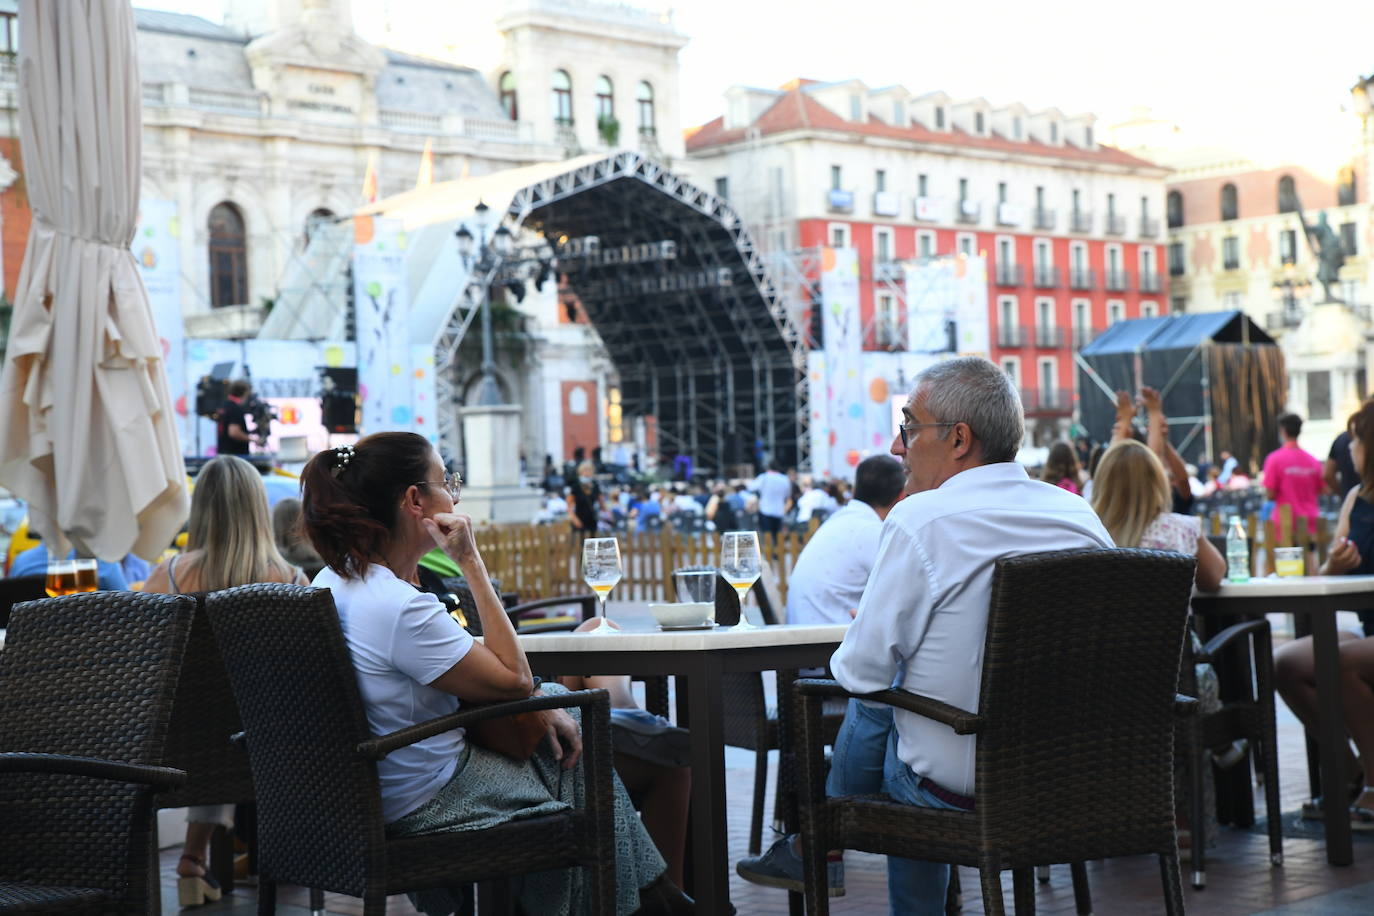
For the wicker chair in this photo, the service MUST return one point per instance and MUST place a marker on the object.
(314, 767)
(1075, 731)
(20, 588)
(88, 682)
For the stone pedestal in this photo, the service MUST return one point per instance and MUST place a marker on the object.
(492, 491)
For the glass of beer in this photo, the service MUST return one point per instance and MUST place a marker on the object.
(61, 578)
(87, 575)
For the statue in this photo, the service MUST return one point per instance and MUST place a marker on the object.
(1327, 249)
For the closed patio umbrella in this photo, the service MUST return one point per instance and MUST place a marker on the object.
(86, 436)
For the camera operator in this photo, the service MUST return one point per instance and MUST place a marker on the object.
(231, 421)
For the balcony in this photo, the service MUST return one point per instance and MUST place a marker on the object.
(1084, 336)
(1116, 225)
(1176, 268)
(1009, 275)
(887, 270)
(889, 333)
(1149, 228)
(970, 212)
(1080, 221)
(927, 209)
(1043, 401)
(1009, 215)
(1150, 281)
(1012, 336)
(1117, 281)
(1050, 338)
(1082, 278)
(838, 201)
(1045, 277)
(886, 203)
(1044, 219)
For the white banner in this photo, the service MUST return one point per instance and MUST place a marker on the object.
(943, 290)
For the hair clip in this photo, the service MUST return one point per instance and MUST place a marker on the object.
(342, 455)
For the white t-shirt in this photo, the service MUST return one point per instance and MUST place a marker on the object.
(401, 639)
(774, 489)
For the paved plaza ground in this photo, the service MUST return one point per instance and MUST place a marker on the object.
(1240, 881)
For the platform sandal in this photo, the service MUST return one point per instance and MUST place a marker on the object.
(195, 890)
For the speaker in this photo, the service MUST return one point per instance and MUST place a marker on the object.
(339, 399)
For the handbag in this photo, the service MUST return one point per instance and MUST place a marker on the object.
(514, 736)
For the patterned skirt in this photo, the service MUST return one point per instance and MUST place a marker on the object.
(488, 789)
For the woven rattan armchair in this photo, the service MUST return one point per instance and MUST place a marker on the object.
(1075, 730)
(314, 767)
(88, 682)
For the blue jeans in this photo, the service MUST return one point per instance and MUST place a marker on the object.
(865, 762)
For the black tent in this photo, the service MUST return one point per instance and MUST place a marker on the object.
(1222, 379)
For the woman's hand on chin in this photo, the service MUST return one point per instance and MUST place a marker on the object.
(452, 533)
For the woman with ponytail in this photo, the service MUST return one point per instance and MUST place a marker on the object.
(371, 510)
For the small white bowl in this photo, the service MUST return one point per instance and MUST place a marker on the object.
(684, 614)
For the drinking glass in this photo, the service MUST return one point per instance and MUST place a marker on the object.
(741, 565)
(698, 587)
(61, 578)
(601, 571)
(87, 576)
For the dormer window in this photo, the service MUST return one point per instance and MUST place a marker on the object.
(1016, 128)
(856, 108)
(1088, 136)
(978, 123)
(1054, 131)
(939, 118)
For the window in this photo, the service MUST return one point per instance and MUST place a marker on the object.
(1176, 264)
(1078, 257)
(1044, 313)
(856, 108)
(898, 113)
(1230, 253)
(1116, 311)
(1175, 207)
(922, 186)
(882, 245)
(925, 244)
(1088, 136)
(228, 256)
(1006, 254)
(1349, 239)
(1147, 259)
(835, 176)
(1233, 300)
(508, 103)
(1345, 187)
(1077, 200)
(1288, 195)
(1006, 311)
(939, 118)
(1082, 314)
(1001, 192)
(963, 189)
(605, 100)
(1048, 373)
(964, 244)
(1178, 305)
(1144, 208)
(1111, 206)
(723, 188)
(1229, 206)
(978, 122)
(1149, 309)
(644, 104)
(1039, 197)
(1042, 254)
(318, 217)
(562, 98)
(880, 180)
(1319, 395)
(1016, 128)
(1054, 131)
(1113, 259)
(888, 331)
(1012, 367)
(1288, 246)
(839, 235)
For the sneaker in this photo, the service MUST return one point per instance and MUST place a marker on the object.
(780, 866)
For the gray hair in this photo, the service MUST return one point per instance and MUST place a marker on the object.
(973, 390)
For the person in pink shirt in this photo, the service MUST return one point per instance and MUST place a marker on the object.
(1293, 477)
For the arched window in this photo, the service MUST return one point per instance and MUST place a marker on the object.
(605, 99)
(228, 256)
(562, 98)
(1229, 207)
(1175, 207)
(1288, 195)
(508, 103)
(644, 102)
(317, 217)
(1345, 187)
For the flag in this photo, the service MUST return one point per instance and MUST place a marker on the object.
(370, 179)
(426, 176)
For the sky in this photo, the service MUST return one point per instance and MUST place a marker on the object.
(1265, 78)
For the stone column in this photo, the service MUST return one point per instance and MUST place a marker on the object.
(491, 476)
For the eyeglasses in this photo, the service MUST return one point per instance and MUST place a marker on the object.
(905, 430)
(453, 483)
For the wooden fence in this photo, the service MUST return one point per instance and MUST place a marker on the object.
(538, 561)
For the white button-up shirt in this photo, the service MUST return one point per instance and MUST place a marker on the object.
(923, 619)
(831, 572)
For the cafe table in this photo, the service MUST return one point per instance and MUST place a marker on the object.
(700, 657)
(1315, 601)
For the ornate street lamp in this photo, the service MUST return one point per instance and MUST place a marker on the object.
(488, 259)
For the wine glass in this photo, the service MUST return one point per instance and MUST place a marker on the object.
(741, 565)
(601, 571)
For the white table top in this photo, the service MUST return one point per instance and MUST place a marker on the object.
(1293, 586)
(686, 640)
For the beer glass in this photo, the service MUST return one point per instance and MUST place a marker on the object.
(61, 578)
(87, 576)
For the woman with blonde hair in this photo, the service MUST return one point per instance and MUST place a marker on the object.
(228, 542)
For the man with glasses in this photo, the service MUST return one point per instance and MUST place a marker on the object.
(922, 621)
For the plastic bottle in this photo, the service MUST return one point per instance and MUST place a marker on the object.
(1237, 552)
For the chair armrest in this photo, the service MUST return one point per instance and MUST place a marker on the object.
(64, 765)
(962, 721)
(1230, 635)
(1184, 706)
(587, 601)
(378, 747)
